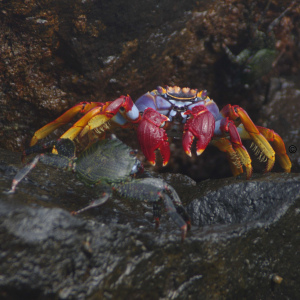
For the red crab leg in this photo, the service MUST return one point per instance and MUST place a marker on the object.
(152, 137)
(278, 146)
(200, 125)
(82, 107)
(122, 112)
(234, 112)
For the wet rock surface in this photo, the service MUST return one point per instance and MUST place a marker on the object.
(260, 199)
(244, 234)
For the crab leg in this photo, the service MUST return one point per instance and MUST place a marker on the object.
(82, 107)
(175, 216)
(239, 115)
(80, 124)
(278, 146)
(50, 159)
(226, 127)
(94, 203)
(22, 173)
(224, 145)
(122, 112)
(156, 191)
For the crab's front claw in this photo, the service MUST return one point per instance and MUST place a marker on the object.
(200, 125)
(152, 136)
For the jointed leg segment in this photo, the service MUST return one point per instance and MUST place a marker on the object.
(82, 107)
(260, 137)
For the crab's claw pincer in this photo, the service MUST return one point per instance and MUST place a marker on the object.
(200, 125)
(152, 136)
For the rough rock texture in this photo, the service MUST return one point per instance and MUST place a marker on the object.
(244, 239)
(55, 54)
(260, 199)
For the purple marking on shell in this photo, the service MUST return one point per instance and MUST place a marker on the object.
(145, 101)
(217, 131)
(162, 104)
(213, 108)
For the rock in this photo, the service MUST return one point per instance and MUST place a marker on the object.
(263, 199)
(249, 240)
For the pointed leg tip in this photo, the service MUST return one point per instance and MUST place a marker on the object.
(152, 162)
(199, 151)
(33, 141)
(249, 172)
(11, 191)
(13, 187)
(165, 163)
(270, 165)
(84, 131)
(188, 152)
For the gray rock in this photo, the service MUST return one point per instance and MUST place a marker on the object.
(264, 199)
(250, 239)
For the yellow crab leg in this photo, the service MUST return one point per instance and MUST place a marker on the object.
(257, 138)
(50, 127)
(237, 156)
(239, 115)
(95, 122)
(245, 159)
(80, 124)
(278, 146)
(261, 142)
(62, 120)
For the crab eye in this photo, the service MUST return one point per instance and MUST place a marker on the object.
(122, 109)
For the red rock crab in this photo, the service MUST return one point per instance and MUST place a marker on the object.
(176, 111)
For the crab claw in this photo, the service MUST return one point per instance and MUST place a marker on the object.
(151, 136)
(200, 125)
